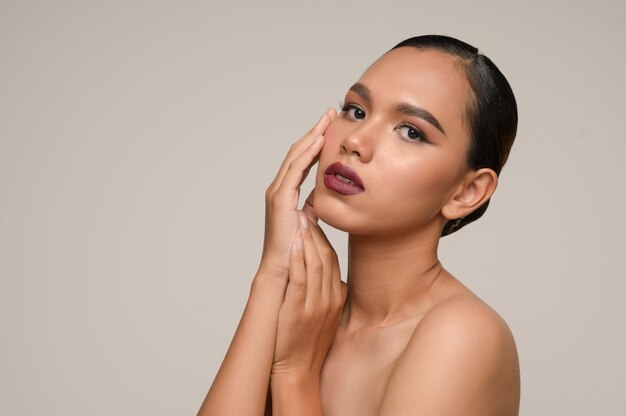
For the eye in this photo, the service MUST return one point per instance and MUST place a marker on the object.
(353, 112)
(411, 133)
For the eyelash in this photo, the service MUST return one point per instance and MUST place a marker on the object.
(422, 137)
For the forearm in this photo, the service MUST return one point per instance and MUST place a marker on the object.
(240, 386)
(296, 395)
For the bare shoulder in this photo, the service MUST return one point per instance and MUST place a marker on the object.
(461, 359)
(464, 320)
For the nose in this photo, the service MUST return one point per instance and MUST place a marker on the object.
(359, 143)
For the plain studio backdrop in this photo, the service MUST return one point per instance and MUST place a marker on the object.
(137, 139)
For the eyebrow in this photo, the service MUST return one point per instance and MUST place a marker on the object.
(404, 108)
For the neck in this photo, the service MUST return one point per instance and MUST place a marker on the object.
(390, 279)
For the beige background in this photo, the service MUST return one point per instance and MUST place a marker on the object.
(137, 139)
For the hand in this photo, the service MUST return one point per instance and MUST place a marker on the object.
(310, 314)
(281, 198)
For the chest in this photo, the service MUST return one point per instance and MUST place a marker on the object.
(357, 369)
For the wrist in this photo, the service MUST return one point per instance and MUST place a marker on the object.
(268, 287)
(299, 380)
(296, 393)
(269, 271)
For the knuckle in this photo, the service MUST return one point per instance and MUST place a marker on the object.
(296, 164)
(302, 161)
(298, 282)
(272, 201)
(309, 314)
(316, 267)
(326, 252)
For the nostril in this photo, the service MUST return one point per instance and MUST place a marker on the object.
(344, 149)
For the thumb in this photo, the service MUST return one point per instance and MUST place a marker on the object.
(344, 292)
(309, 207)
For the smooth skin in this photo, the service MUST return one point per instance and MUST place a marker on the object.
(403, 336)
(242, 382)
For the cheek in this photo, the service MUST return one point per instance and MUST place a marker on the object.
(419, 184)
(419, 176)
(407, 186)
(332, 134)
(329, 152)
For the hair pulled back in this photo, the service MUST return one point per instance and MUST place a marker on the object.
(491, 114)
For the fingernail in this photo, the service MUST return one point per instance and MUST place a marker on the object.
(298, 243)
(318, 138)
(304, 221)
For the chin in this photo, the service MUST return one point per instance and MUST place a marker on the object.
(335, 221)
(342, 216)
(334, 213)
(354, 218)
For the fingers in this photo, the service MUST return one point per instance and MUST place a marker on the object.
(332, 284)
(327, 281)
(309, 207)
(301, 145)
(344, 292)
(315, 285)
(314, 264)
(296, 289)
(299, 168)
(320, 126)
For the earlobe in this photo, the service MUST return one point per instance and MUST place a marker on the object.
(475, 191)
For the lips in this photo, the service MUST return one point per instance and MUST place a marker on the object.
(342, 179)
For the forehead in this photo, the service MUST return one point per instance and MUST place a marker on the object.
(426, 78)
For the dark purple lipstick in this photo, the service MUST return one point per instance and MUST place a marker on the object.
(343, 180)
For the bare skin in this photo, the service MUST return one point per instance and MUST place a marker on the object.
(403, 336)
(413, 340)
(365, 360)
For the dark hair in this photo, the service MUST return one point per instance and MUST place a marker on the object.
(491, 115)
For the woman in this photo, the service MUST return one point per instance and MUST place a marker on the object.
(414, 155)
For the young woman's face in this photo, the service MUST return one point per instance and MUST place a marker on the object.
(403, 132)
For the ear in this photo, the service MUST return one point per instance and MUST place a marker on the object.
(476, 188)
